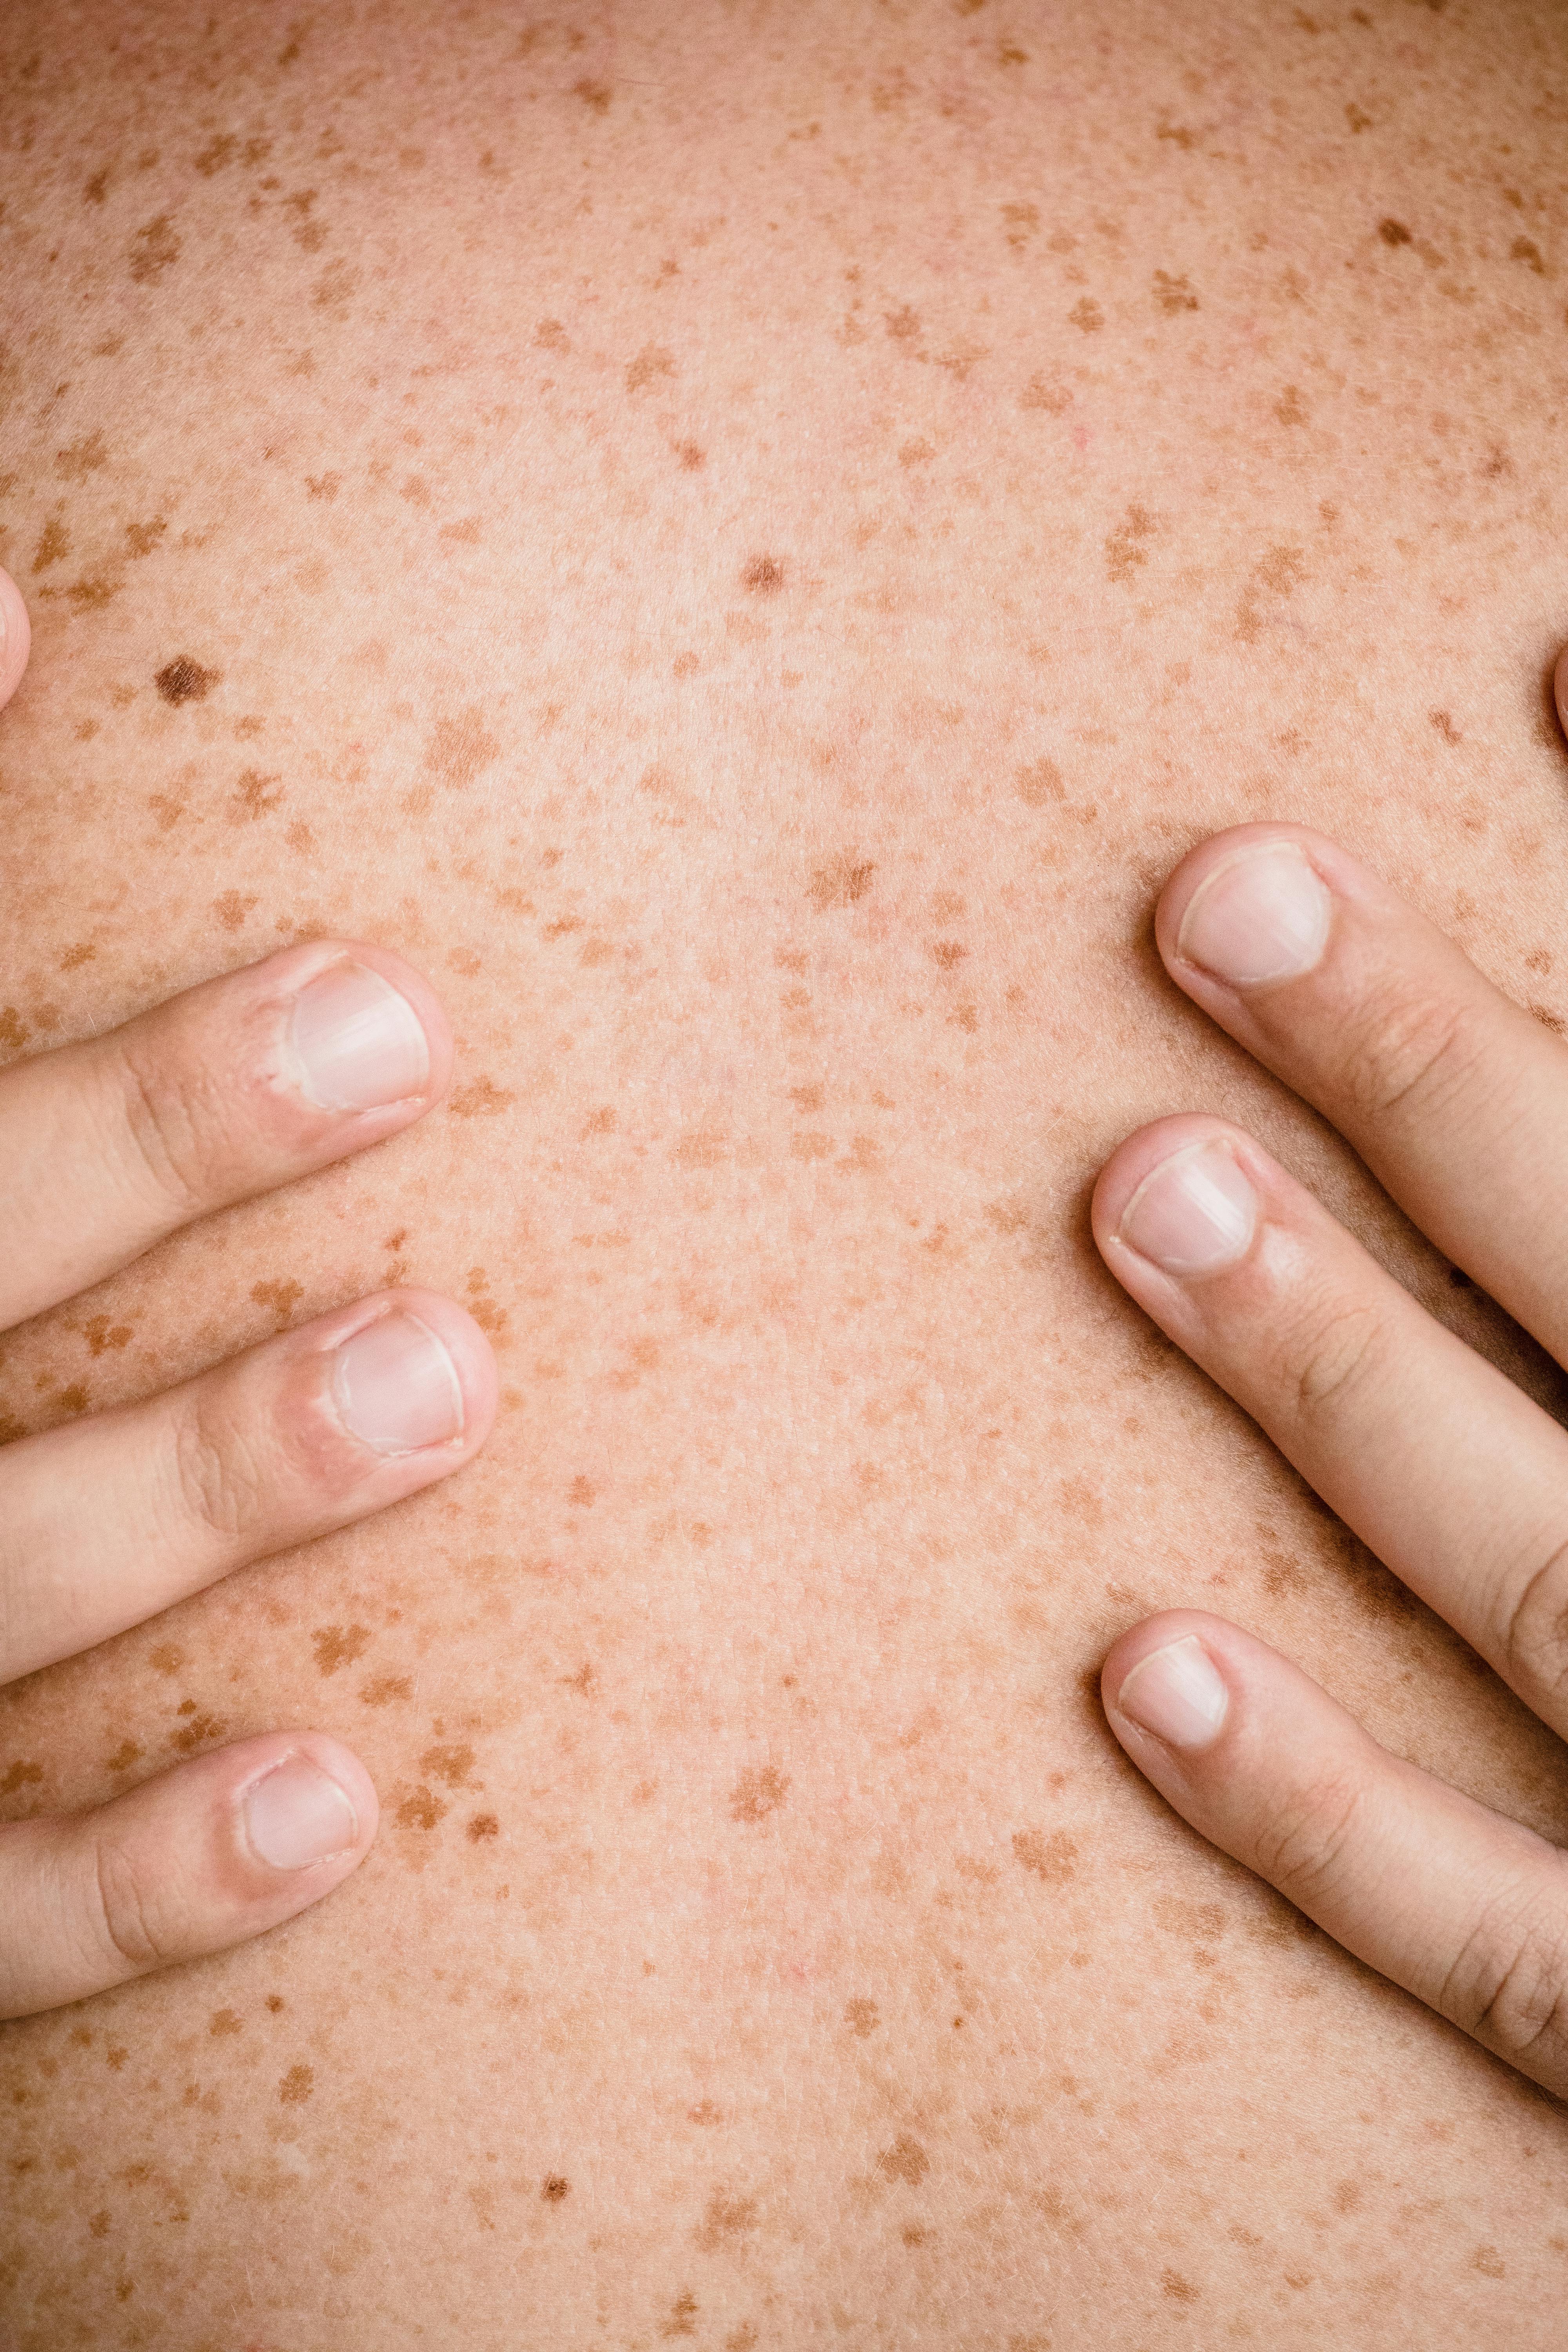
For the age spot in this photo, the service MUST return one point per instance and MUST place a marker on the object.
(905, 2160)
(1053, 1858)
(842, 882)
(760, 1791)
(339, 1645)
(154, 249)
(296, 2085)
(763, 575)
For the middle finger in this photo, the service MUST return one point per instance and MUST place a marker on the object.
(1455, 1479)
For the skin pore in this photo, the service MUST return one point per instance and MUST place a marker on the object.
(746, 545)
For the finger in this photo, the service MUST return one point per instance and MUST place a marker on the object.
(1452, 1093)
(1467, 1910)
(107, 1520)
(16, 637)
(1454, 1477)
(232, 1088)
(194, 1860)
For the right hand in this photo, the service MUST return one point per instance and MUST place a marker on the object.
(239, 1086)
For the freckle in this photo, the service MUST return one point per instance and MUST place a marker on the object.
(223, 2022)
(843, 882)
(554, 2188)
(280, 1297)
(594, 95)
(759, 1791)
(691, 457)
(116, 2053)
(296, 2085)
(125, 1755)
(482, 1826)
(1086, 315)
(20, 1775)
(482, 1099)
(184, 680)
(81, 458)
(650, 364)
(385, 1690)
(422, 1810)
(53, 547)
(763, 575)
(1179, 2289)
(1394, 232)
(1052, 1858)
(1289, 408)
(861, 2017)
(905, 2160)
(154, 248)
(74, 1399)
(339, 1645)
(1443, 720)
(684, 665)
(948, 952)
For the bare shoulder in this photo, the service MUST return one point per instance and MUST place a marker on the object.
(748, 549)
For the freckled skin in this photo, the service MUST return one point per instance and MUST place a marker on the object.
(766, 693)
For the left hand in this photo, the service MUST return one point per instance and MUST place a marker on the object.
(1457, 1100)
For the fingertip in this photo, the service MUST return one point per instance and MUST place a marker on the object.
(1171, 1677)
(306, 1812)
(1137, 1157)
(472, 1359)
(16, 637)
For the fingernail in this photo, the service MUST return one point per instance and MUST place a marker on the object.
(296, 1814)
(1177, 1694)
(397, 1388)
(1194, 1213)
(1264, 916)
(358, 1043)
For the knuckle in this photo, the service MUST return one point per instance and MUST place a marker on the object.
(1330, 1356)
(1535, 1637)
(1509, 1984)
(223, 1488)
(1407, 1056)
(1302, 1843)
(174, 1127)
(126, 1919)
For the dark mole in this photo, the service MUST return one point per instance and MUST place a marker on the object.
(1395, 232)
(184, 680)
(763, 575)
(555, 2190)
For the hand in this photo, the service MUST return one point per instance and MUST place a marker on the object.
(1459, 1102)
(234, 1089)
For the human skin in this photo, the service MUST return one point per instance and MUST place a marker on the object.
(756, 612)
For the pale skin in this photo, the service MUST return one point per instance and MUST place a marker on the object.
(740, 548)
(1451, 1094)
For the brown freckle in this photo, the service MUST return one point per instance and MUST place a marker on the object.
(482, 1826)
(339, 1645)
(948, 952)
(1052, 1858)
(914, 2235)
(594, 95)
(1444, 723)
(1357, 117)
(124, 1755)
(99, 2225)
(1548, 1020)
(86, 730)
(460, 749)
(154, 249)
(554, 2188)
(481, 1099)
(184, 680)
(74, 1399)
(759, 1791)
(452, 1765)
(416, 490)
(691, 457)
(1524, 249)
(201, 1727)
(95, 190)
(282, 1297)
(223, 2022)
(917, 453)
(726, 2216)
(1347, 2195)
(81, 458)
(684, 665)
(810, 1146)
(1038, 394)
(682, 2315)
(905, 2160)
(116, 2053)
(323, 485)
(843, 882)
(218, 151)
(1394, 232)
(256, 796)
(1123, 552)
(1290, 407)
(861, 2017)
(650, 364)
(1173, 295)
(53, 547)
(764, 575)
(144, 536)
(1179, 2289)
(275, 2001)
(422, 1810)
(20, 1775)
(1086, 315)
(704, 2113)
(83, 952)
(903, 324)
(385, 1690)
(296, 2085)
(601, 1121)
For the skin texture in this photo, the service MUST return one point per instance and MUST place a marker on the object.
(747, 545)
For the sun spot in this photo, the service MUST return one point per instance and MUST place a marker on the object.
(484, 1826)
(1289, 408)
(1124, 551)
(127, 1754)
(1395, 232)
(143, 537)
(1524, 249)
(682, 2320)
(81, 458)
(692, 457)
(223, 2022)
(554, 2188)
(842, 882)
(458, 750)
(1173, 295)
(905, 2160)
(184, 680)
(725, 2219)
(594, 95)
(451, 1765)
(763, 575)
(385, 1688)
(1052, 1858)
(760, 1791)
(339, 1645)
(53, 547)
(481, 1098)
(651, 363)
(1179, 2289)
(861, 2017)
(280, 1297)
(296, 2085)
(154, 249)
(421, 1810)
(1086, 315)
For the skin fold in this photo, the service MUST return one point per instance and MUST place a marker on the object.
(745, 544)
